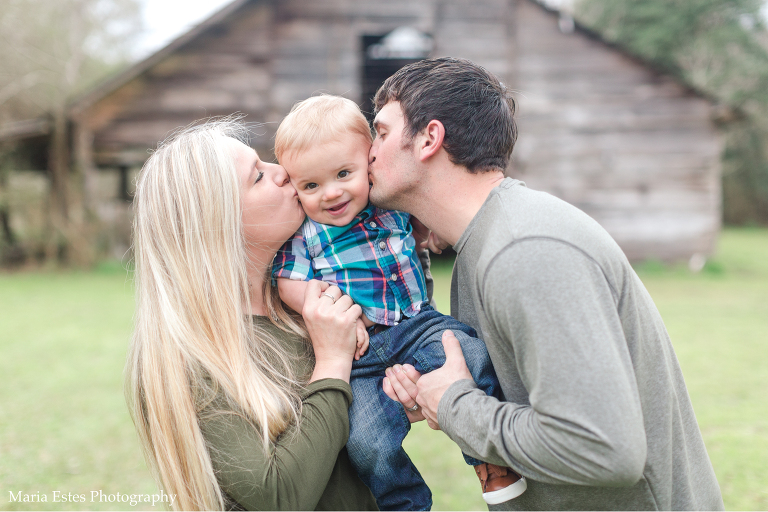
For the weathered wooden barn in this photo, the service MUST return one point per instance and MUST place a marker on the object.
(634, 149)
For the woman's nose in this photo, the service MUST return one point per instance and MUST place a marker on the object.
(280, 177)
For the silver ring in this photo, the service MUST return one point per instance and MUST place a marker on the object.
(329, 295)
(413, 409)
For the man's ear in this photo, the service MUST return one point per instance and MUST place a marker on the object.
(431, 140)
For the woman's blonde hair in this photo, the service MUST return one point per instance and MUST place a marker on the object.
(317, 120)
(193, 339)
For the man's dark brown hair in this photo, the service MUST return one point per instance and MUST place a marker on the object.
(473, 105)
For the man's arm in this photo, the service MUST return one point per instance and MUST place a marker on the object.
(557, 315)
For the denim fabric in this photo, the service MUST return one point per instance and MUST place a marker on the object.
(378, 424)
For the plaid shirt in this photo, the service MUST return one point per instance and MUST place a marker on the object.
(372, 259)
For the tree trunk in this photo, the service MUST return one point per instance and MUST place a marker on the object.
(71, 222)
(7, 237)
(58, 171)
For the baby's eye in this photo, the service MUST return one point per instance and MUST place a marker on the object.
(343, 174)
(310, 186)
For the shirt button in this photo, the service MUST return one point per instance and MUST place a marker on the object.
(382, 245)
(372, 224)
(393, 277)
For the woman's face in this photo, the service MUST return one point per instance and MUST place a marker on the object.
(271, 209)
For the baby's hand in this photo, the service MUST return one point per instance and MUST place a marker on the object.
(426, 239)
(362, 339)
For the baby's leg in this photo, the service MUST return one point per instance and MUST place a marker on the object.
(418, 341)
(377, 427)
(425, 352)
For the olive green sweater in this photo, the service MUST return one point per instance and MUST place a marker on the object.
(305, 469)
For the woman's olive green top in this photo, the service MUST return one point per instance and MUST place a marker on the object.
(304, 470)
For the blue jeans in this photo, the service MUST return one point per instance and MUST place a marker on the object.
(378, 424)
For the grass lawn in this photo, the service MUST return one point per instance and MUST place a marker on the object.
(64, 425)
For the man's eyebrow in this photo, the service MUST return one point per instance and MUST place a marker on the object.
(376, 124)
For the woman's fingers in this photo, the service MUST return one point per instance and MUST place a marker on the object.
(343, 303)
(331, 321)
(314, 293)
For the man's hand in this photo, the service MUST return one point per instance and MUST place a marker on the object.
(428, 389)
(400, 386)
(425, 238)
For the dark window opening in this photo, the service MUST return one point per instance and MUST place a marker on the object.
(124, 187)
(384, 54)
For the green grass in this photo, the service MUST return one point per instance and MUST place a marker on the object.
(64, 425)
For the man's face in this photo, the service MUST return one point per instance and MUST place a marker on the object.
(393, 167)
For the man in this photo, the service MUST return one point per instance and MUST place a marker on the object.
(596, 413)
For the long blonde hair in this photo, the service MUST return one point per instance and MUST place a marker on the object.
(192, 339)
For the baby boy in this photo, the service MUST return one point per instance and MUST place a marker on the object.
(371, 255)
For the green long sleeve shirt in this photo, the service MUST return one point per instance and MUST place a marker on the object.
(305, 469)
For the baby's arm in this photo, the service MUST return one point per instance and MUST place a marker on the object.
(292, 293)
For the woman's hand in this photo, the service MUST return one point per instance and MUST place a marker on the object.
(331, 319)
(400, 386)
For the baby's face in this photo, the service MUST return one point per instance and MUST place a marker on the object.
(331, 179)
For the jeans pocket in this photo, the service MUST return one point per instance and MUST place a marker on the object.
(430, 357)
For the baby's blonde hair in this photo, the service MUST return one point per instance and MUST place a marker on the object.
(317, 120)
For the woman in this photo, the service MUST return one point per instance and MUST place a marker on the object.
(229, 408)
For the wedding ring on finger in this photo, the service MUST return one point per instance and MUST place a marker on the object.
(329, 295)
(412, 409)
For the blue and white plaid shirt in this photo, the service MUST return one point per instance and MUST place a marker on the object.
(373, 259)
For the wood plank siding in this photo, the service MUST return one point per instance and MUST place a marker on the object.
(635, 150)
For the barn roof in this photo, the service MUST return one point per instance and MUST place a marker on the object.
(39, 126)
(27, 128)
(564, 9)
(103, 89)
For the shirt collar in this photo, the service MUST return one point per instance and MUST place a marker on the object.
(366, 213)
